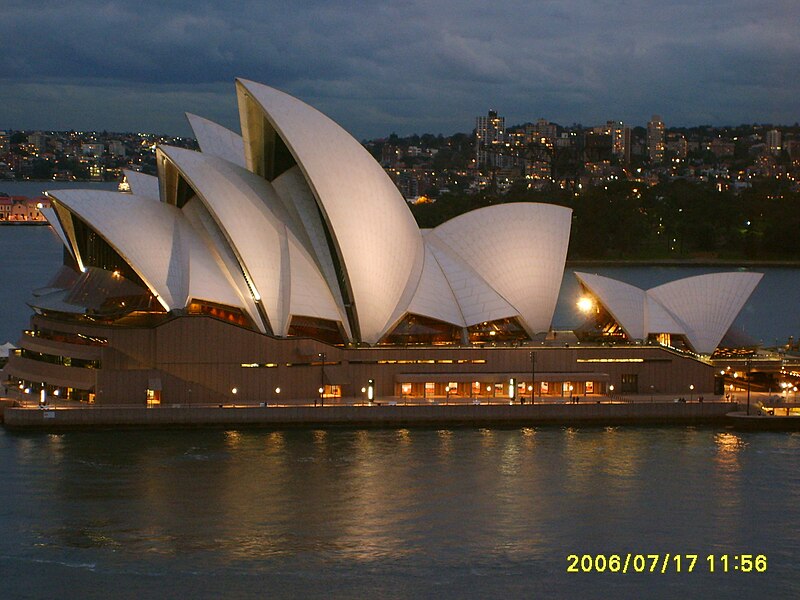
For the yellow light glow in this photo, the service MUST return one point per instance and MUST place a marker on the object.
(585, 304)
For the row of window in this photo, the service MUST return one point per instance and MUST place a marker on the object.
(53, 359)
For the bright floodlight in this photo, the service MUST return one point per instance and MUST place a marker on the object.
(585, 304)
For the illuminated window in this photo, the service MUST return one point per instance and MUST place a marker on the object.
(405, 388)
(476, 387)
(153, 397)
(430, 388)
(332, 391)
(589, 387)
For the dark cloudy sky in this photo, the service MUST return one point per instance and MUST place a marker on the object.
(404, 66)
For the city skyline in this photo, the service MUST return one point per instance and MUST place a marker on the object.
(407, 69)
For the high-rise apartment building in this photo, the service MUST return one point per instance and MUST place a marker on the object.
(489, 132)
(773, 142)
(620, 140)
(656, 139)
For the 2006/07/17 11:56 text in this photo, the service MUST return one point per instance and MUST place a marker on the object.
(666, 562)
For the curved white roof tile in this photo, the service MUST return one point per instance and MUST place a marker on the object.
(706, 304)
(519, 249)
(157, 242)
(50, 214)
(237, 199)
(310, 295)
(658, 319)
(220, 275)
(144, 186)
(434, 297)
(298, 199)
(377, 238)
(216, 140)
(256, 226)
(477, 301)
(625, 302)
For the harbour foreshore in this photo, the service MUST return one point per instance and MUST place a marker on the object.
(376, 415)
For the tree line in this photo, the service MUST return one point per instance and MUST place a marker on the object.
(676, 219)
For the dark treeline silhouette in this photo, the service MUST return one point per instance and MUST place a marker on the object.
(678, 219)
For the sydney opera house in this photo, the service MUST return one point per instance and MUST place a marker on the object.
(283, 264)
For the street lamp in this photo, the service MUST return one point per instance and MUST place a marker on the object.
(321, 380)
(533, 377)
(748, 386)
(691, 392)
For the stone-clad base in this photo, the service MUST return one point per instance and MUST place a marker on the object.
(370, 416)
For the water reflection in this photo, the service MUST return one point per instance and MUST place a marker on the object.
(383, 497)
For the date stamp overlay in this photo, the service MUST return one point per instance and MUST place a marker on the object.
(662, 563)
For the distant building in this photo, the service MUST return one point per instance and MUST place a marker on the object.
(597, 145)
(620, 141)
(22, 208)
(542, 132)
(116, 148)
(92, 149)
(38, 140)
(655, 139)
(721, 147)
(489, 132)
(773, 141)
(677, 146)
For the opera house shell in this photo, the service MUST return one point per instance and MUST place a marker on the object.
(285, 261)
(295, 227)
(699, 309)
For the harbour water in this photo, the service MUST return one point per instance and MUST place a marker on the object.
(463, 513)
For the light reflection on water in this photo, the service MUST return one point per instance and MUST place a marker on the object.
(337, 513)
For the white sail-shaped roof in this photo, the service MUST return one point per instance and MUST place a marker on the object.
(298, 199)
(49, 213)
(216, 140)
(706, 305)
(702, 308)
(658, 319)
(294, 218)
(259, 232)
(142, 185)
(379, 245)
(157, 242)
(625, 302)
(434, 297)
(477, 300)
(519, 249)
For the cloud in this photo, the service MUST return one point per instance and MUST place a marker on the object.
(403, 66)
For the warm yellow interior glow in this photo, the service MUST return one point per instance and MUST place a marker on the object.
(585, 304)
